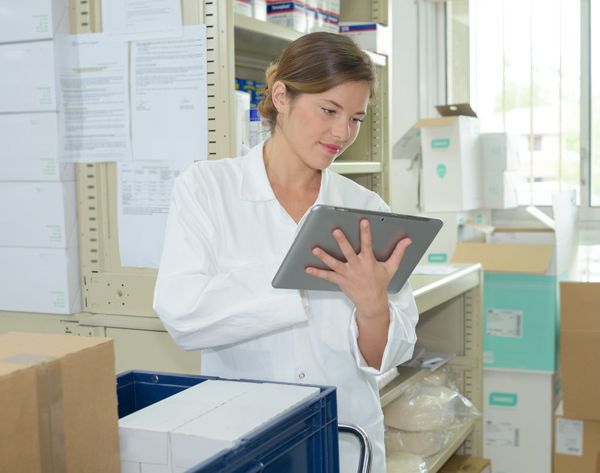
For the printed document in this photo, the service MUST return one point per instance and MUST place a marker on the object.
(130, 20)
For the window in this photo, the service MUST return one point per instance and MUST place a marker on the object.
(595, 103)
(524, 79)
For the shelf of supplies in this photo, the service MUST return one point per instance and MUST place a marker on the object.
(435, 462)
(357, 167)
(406, 378)
(250, 35)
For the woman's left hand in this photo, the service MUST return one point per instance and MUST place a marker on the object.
(361, 277)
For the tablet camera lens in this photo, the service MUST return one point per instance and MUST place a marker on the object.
(382, 219)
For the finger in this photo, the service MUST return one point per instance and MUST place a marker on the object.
(344, 244)
(396, 257)
(366, 238)
(333, 263)
(330, 276)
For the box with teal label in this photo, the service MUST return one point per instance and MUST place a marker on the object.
(517, 419)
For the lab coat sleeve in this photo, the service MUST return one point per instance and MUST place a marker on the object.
(404, 316)
(202, 307)
(401, 333)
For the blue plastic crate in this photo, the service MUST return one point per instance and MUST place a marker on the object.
(305, 439)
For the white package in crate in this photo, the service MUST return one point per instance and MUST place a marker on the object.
(40, 280)
(370, 36)
(38, 214)
(189, 427)
(29, 150)
(30, 20)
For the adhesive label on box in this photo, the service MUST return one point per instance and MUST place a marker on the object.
(501, 434)
(569, 437)
(504, 323)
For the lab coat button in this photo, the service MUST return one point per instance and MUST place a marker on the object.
(301, 375)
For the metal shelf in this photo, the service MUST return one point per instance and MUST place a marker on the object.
(356, 167)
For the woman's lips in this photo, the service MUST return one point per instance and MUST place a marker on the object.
(331, 149)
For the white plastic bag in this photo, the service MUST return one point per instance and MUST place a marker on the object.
(424, 443)
(405, 463)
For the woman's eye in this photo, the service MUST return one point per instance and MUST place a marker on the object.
(327, 111)
(358, 120)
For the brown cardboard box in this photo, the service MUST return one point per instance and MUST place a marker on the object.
(576, 444)
(58, 406)
(465, 464)
(580, 349)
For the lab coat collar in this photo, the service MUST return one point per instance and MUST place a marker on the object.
(256, 186)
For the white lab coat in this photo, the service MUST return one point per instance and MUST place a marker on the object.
(226, 235)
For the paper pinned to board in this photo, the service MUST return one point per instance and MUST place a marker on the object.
(130, 20)
(144, 194)
(169, 98)
(94, 91)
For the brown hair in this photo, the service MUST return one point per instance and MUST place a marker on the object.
(314, 63)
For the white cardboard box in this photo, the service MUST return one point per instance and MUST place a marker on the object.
(500, 190)
(289, 14)
(499, 152)
(40, 280)
(38, 214)
(370, 36)
(517, 419)
(29, 150)
(243, 7)
(30, 20)
(28, 78)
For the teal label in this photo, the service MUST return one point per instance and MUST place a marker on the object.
(437, 258)
(441, 170)
(440, 143)
(503, 399)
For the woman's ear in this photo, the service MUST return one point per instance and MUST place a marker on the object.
(279, 96)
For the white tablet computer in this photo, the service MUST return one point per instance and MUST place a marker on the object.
(387, 230)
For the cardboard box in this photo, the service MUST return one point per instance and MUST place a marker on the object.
(466, 464)
(517, 419)
(457, 226)
(40, 280)
(369, 36)
(450, 154)
(499, 152)
(501, 191)
(31, 20)
(522, 269)
(29, 149)
(580, 349)
(38, 214)
(576, 444)
(67, 385)
(28, 79)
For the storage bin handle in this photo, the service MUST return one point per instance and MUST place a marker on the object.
(364, 463)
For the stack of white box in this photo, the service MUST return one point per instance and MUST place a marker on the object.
(500, 166)
(183, 430)
(39, 255)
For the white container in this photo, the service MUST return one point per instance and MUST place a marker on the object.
(259, 9)
(242, 120)
(451, 177)
(331, 10)
(517, 419)
(40, 280)
(289, 14)
(31, 20)
(243, 7)
(369, 36)
(28, 78)
(500, 190)
(38, 214)
(29, 150)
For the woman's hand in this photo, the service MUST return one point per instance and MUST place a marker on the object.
(361, 277)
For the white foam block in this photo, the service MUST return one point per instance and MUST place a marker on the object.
(222, 428)
(144, 433)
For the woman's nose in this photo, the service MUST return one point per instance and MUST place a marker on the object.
(341, 130)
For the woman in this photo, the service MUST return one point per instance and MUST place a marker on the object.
(232, 221)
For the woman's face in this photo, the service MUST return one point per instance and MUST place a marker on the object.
(319, 127)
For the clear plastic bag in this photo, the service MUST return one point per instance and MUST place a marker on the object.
(428, 406)
(424, 443)
(406, 463)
